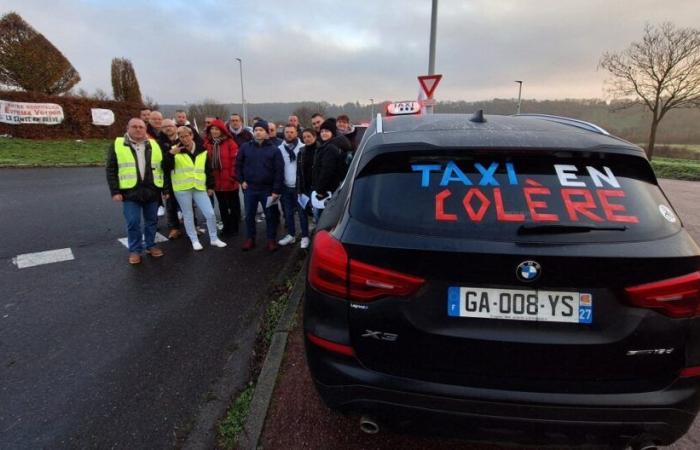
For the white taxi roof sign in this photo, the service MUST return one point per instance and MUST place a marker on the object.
(403, 108)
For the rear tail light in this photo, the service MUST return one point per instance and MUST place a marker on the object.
(674, 297)
(331, 272)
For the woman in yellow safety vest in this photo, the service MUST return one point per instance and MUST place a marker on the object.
(189, 178)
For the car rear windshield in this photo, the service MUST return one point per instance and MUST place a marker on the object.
(504, 195)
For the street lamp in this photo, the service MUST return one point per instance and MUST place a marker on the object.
(245, 109)
(520, 91)
(431, 53)
(371, 114)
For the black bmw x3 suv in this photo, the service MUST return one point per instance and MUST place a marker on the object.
(520, 279)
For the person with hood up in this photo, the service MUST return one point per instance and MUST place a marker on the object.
(325, 176)
(223, 150)
(260, 170)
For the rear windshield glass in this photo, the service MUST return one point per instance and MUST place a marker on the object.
(510, 196)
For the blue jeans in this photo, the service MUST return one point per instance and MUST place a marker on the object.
(184, 198)
(132, 214)
(290, 205)
(251, 200)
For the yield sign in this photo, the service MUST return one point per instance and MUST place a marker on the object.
(429, 83)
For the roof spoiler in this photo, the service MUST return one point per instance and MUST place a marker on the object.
(568, 121)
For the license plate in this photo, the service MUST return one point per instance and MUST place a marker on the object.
(520, 304)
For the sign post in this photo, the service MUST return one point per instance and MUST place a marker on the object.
(429, 83)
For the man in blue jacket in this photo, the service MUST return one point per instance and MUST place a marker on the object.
(260, 170)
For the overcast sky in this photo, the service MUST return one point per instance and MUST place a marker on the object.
(347, 51)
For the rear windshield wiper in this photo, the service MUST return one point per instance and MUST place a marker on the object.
(531, 228)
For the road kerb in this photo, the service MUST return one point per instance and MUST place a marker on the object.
(270, 370)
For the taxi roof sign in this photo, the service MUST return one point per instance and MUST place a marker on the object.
(403, 108)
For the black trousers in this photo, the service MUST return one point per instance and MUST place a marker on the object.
(230, 210)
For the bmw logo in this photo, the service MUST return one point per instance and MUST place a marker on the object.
(528, 271)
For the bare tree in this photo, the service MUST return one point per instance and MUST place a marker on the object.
(306, 110)
(207, 108)
(150, 103)
(125, 85)
(30, 62)
(662, 72)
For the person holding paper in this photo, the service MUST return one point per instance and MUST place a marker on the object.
(260, 170)
(305, 161)
(289, 150)
(325, 176)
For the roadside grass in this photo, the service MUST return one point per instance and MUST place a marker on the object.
(678, 169)
(62, 153)
(232, 425)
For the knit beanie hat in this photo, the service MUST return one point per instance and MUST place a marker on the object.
(329, 124)
(262, 124)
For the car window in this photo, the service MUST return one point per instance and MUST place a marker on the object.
(514, 196)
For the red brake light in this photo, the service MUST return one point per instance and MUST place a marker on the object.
(329, 272)
(369, 282)
(328, 268)
(674, 297)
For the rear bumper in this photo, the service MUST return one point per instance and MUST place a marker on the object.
(505, 416)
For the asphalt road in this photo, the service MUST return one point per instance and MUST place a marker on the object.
(94, 352)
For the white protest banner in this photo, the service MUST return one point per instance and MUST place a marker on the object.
(104, 117)
(16, 113)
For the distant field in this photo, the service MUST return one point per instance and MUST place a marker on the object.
(679, 151)
(91, 152)
(65, 153)
(679, 169)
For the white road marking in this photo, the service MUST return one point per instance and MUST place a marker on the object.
(159, 238)
(40, 258)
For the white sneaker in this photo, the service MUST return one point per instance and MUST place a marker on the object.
(219, 225)
(197, 246)
(304, 242)
(218, 243)
(288, 239)
(161, 211)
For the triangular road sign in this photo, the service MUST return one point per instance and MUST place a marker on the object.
(429, 83)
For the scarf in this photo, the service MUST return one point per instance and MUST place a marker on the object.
(290, 151)
(216, 154)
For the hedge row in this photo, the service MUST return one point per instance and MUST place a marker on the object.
(77, 117)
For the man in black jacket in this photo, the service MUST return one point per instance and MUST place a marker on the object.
(238, 131)
(135, 179)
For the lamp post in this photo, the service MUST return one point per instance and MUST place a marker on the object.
(371, 114)
(431, 54)
(245, 109)
(520, 91)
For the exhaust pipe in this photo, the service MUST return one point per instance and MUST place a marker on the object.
(369, 425)
(644, 445)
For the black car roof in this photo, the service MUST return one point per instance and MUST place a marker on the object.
(522, 132)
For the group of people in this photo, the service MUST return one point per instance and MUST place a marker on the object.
(166, 163)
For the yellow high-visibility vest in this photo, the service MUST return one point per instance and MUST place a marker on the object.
(189, 174)
(126, 162)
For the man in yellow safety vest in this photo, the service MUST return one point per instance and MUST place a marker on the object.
(135, 179)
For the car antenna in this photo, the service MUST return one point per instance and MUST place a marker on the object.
(478, 117)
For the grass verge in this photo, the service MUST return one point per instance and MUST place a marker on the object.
(63, 153)
(678, 169)
(231, 426)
